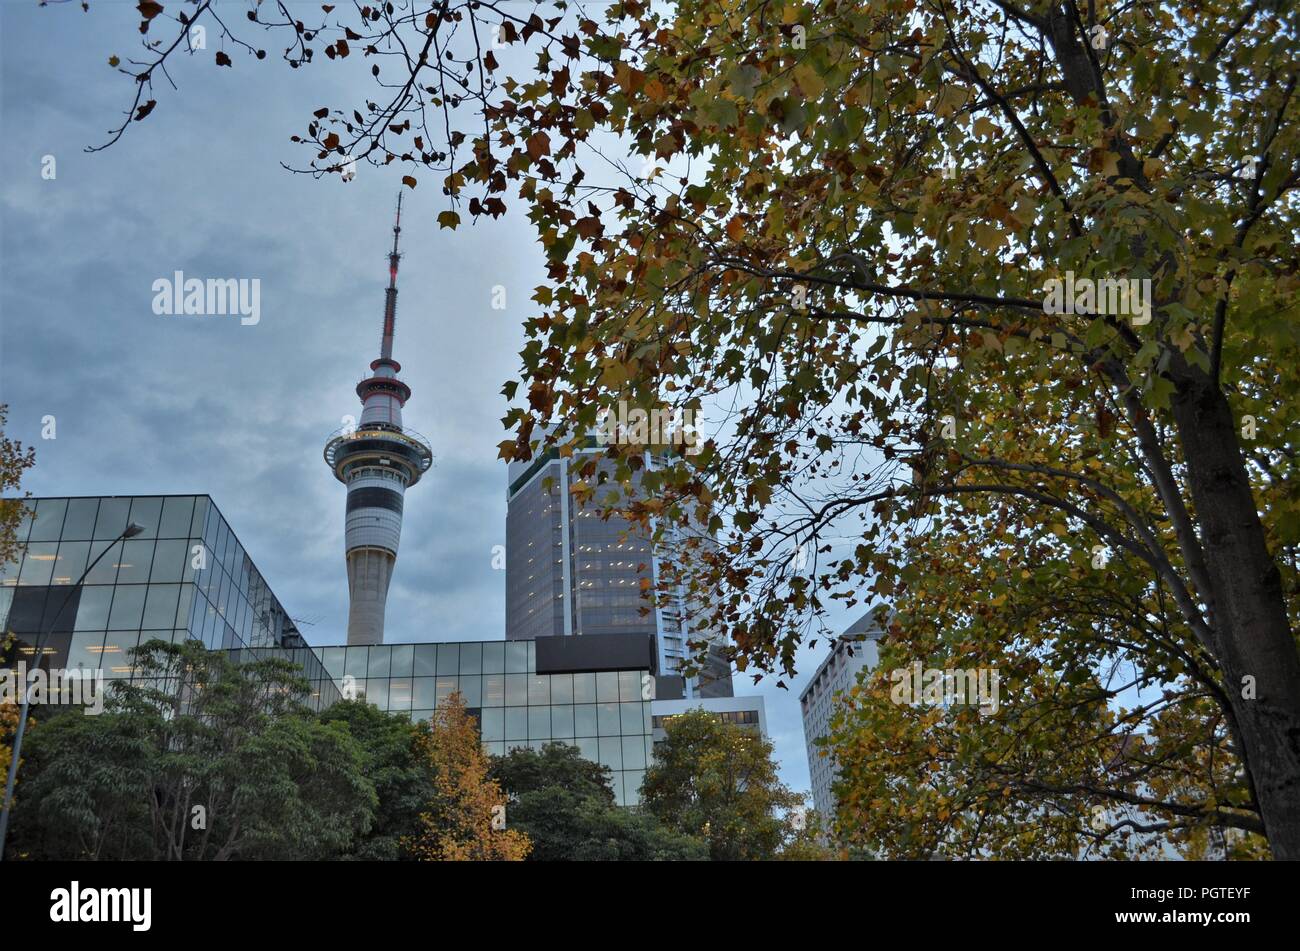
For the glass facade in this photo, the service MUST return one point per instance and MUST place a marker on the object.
(186, 576)
(607, 560)
(602, 714)
(535, 595)
(570, 571)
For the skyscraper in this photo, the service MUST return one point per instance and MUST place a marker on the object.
(571, 572)
(851, 652)
(377, 460)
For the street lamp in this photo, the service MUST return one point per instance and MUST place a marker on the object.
(129, 532)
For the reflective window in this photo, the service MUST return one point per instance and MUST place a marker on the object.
(607, 719)
(517, 657)
(135, 561)
(516, 690)
(516, 723)
(175, 522)
(108, 555)
(446, 687)
(128, 606)
(184, 607)
(111, 521)
(377, 692)
(494, 690)
(38, 566)
(562, 722)
(80, 522)
(539, 689)
(630, 714)
(539, 722)
(606, 686)
(85, 649)
(584, 720)
(493, 723)
(379, 661)
(448, 658)
(92, 611)
(629, 685)
(561, 688)
(584, 688)
(355, 665)
(399, 693)
(494, 658)
(426, 660)
(471, 658)
(145, 513)
(633, 752)
(169, 560)
(72, 562)
(611, 752)
(115, 655)
(332, 658)
(425, 693)
(47, 526)
(471, 689)
(160, 605)
(403, 660)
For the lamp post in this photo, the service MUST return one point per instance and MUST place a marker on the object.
(129, 532)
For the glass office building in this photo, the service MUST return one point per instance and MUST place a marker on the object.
(185, 576)
(605, 713)
(571, 572)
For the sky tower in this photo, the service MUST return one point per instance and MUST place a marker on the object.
(377, 460)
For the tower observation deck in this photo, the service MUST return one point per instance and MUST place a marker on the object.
(377, 460)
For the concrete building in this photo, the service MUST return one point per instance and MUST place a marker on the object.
(748, 712)
(852, 652)
(377, 459)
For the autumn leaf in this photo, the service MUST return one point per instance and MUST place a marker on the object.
(539, 144)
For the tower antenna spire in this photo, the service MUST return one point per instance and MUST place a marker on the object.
(397, 230)
(390, 295)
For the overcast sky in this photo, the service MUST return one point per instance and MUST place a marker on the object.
(150, 404)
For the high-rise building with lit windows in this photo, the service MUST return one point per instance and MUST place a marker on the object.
(570, 572)
(377, 459)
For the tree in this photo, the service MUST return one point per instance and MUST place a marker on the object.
(889, 245)
(391, 760)
(14, 461)
(717, 781)
(199, 758)
(807, 841)
(464, 816)
(867, 256)
(565, 804)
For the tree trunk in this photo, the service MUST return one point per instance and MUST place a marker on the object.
(1252, 629)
